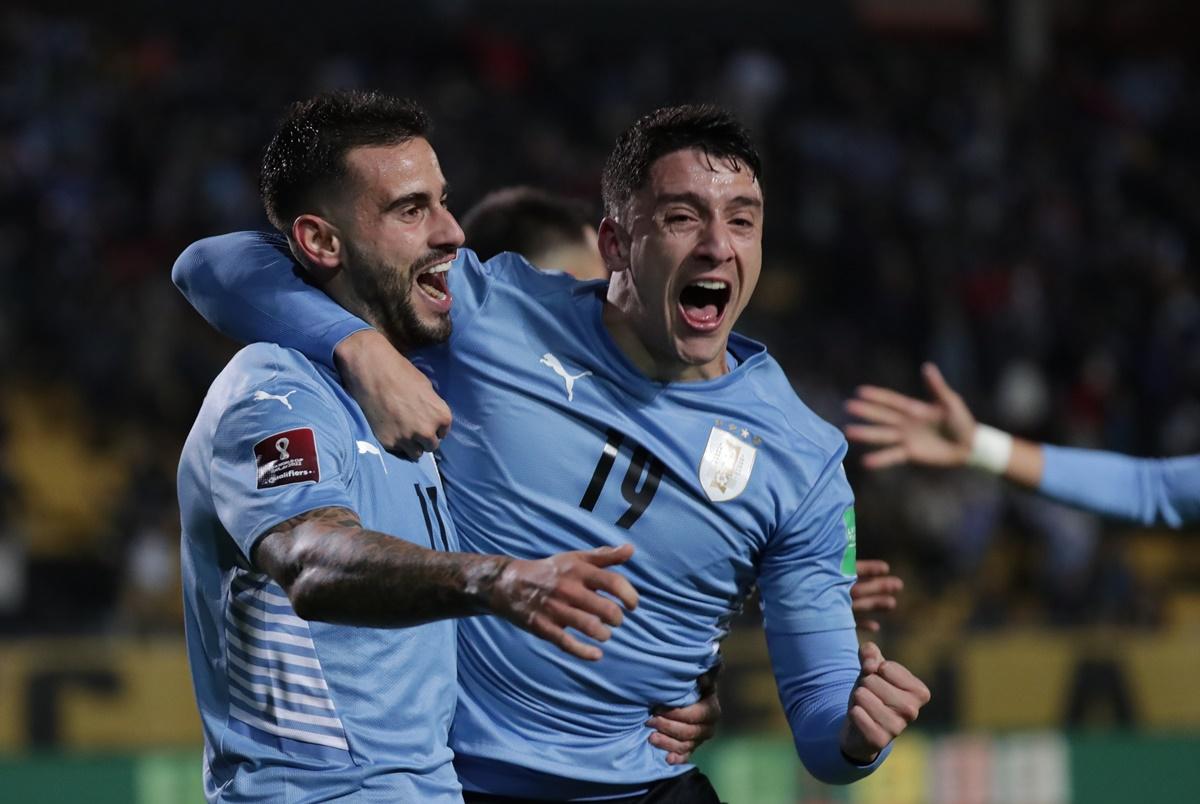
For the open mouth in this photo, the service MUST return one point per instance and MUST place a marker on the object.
(432, 282)
(703, 303)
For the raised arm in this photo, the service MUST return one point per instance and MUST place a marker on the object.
(249, 287)
(335, 570)
(944, 433)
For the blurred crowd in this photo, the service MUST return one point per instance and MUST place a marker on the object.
(1033, 233)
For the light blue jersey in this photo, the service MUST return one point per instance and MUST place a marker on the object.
(559, 443)
(1145, 490)
(294, 710)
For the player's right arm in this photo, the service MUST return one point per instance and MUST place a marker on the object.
(335, 570)
(249, 287)
(944, 433)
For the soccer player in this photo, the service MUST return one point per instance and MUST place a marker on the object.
(550, 231)
(944, 433)
(318, 572)
(588, 415)
(554, 233)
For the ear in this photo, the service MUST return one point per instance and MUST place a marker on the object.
(318, 244)
(614, 244)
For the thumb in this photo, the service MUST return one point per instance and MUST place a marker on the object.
(871, 658)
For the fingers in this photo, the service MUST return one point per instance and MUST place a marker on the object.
(678, 750)
(887, 719)
(612, 583)
(542, 626)
(586, 600)
(883, 458)
(565, 615)
(608, 556)
(877, 588)
(937, 383)
(900, 676)
(870, 568)
(874, 412)
(867, 625)
(875, 434)
(692, 720)
(670, 724)
(886, 397)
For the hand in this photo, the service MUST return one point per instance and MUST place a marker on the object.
(875, 590)
(681, 731)
(405, 413)
(937, 433)
(551, 594)
(886, 698)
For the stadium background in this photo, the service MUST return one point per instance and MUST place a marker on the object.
(1009, 187)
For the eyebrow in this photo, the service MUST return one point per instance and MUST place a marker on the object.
(696, 201)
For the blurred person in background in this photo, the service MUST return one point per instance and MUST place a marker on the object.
(683, 241)
(317, 597)
(551, 231)
(944, 433)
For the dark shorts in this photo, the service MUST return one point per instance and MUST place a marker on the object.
(692, 787)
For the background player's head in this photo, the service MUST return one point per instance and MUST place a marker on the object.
(549, 230)
(352, 180)
(682, 235)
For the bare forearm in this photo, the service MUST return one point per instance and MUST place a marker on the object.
(335, 570)
(1025, 464)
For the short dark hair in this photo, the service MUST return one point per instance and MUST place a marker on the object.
(526, 220)
(307, 154)
(709, 128)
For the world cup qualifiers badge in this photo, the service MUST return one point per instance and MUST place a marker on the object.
(287, 457)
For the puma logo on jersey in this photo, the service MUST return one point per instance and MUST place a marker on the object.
(367, 448)
(260, 396)
(557, 367)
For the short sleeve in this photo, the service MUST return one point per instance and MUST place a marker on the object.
(279, 451)
(808, 567)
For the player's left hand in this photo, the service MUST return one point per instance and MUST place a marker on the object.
(886, 698)
(875, 590)
(681, 731)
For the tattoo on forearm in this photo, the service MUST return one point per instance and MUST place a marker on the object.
(335, 570)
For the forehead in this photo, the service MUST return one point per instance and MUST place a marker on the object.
(390, 170)
(717, 179)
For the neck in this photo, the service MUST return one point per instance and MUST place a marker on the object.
(620, 328)
(341, 290)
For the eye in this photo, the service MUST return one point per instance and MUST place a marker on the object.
(411, 213)
(676, 218)
(742, 223)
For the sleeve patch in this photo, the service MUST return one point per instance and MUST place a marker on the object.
(287, 457)
(850, 556)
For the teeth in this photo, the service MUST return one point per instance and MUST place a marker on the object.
(711, 284)
(433, 293)
(435, 269)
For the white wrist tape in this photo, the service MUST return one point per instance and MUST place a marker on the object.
(990, 449)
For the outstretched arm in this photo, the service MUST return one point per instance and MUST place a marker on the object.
(335, 570)
(943, 432)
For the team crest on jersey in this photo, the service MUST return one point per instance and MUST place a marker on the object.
(727, 463)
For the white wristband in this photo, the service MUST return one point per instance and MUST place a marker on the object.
(990, 449)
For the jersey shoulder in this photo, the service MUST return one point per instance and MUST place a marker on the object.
(264, 371)
(516, 271)
(772, 392)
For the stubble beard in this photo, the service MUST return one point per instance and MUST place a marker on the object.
(386, 293)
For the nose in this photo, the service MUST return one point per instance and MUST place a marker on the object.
(446, 232)
(716, 244)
